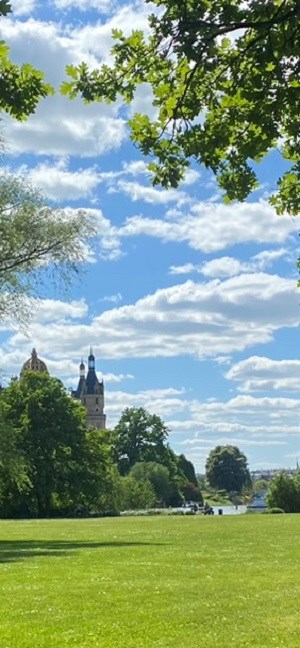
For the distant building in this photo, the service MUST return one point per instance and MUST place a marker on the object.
(90, 391)
(34, 364)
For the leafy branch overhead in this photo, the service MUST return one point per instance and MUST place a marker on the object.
(21, 86)
(225, 77)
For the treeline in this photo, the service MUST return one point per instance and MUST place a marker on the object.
(51, 464)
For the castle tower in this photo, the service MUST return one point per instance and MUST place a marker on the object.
(90, 391)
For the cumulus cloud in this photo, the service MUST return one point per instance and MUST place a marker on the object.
(210, 227)
(102, 6)
(229, 266)
(258, 373)
(187, 268)
(204, 320)
(22, 7)
(59, 126)
(59, 183)
(149, 194)
(114, 299)
(53, 310)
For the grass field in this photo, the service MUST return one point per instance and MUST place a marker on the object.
(185, 582)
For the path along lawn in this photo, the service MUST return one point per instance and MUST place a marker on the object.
(175, 582)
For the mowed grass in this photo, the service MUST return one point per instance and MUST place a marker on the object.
(175, 582)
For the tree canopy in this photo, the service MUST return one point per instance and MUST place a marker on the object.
(227, 469)
(139, 436)
(34, 240)
(284, 492)
(225, 81)
(21, 86)
(65, 464)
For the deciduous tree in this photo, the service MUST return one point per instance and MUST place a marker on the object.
(136, 494)
(284, 493)
(36, 242)
(139, 436)
(67, 465)
(227, 469)
(225, 81)
(158, 476)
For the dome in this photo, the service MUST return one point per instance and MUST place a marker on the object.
(34, 363)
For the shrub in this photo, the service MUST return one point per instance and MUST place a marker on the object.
(273, 510)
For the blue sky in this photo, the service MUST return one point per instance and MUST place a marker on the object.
(191, 306)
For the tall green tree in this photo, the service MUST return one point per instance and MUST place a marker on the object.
(284, 492)
(226, 468)
(136, 493)
(36, 242)
(158, 476)
(21, 86)
(225, 81)
(187, 468)
(139, 436)
(14, 470)
(67, 464)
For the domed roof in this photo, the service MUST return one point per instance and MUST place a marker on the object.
(34, 363)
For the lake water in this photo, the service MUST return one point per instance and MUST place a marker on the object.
(230, 510)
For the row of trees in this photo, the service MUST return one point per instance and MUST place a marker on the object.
(52, 464)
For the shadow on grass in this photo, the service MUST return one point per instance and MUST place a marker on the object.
(13, 550)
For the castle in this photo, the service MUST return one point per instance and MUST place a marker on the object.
(90, 391)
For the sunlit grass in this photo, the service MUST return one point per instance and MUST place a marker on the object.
(182, 582)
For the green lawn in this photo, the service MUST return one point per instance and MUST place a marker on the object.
(174, 582)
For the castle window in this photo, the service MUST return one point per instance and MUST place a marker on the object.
(84, 400)
(97, 401)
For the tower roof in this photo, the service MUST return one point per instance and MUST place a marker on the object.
(34, 363)
(88, 384)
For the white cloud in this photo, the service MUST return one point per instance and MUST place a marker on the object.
(266, 258)
(96, 38)
(258, 373)
(58, 183)
(135, 168)
(22, 7)
(191, 177)
(59, 126)
(223, 267)
(53, 310)
(149, 194)
(187, 268)
(199, 319)
(103, 6)
(210, 227)
(229, 266)
(222, 360)
(116, 378)
(114, 299)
